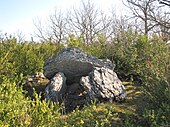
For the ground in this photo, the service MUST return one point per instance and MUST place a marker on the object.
(118, 113)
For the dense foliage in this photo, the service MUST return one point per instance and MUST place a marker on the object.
(143, 62)
(22, 59)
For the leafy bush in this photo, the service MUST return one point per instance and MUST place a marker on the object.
(25, 58)
(14, 107)
(135, 60)
(16, 110)
(7, 68)
(157, 92)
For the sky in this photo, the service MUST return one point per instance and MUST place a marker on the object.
(17, 16)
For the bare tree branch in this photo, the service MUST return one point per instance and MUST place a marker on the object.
(149, 13)
(165, 2)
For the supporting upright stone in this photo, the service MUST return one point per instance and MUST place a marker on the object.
(103, 83)
(56, 89)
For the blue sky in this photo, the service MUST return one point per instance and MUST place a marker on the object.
(18, 15)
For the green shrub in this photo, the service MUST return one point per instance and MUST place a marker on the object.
(134, 60)
(25, 58)
(16, 110)
(157, 94)
(7, 67)
(14, 107)
(43, 113)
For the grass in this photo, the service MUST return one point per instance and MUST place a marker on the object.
(118, 114)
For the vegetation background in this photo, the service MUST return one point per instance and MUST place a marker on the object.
(137, 45)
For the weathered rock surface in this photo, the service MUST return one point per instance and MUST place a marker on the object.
(103, 83)
(77, 78)
(74, 63)
(55, 91)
